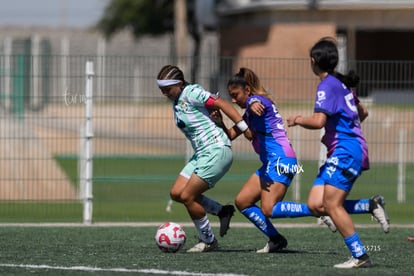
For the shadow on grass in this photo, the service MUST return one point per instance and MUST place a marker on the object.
(247, 250)
(284, 251)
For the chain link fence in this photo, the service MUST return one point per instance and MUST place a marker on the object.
(42, 99)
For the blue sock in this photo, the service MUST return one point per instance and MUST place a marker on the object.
(355, 245)
(255, 215)
(287, 209)
(358, 206)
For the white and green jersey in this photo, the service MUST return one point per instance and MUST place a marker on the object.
(193, 119)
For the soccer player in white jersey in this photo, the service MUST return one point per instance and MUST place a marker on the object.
(339, 112)
(212, 157)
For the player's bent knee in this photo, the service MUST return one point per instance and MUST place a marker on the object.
(187, 199)
(328, 208)
(316, 209)
(176, 197)
(240, 204)
(267, 212)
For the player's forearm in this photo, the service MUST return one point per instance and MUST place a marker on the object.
(306, 123)
(230, 111)
(313, 122)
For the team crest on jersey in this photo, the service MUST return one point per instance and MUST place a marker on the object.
(184, 106)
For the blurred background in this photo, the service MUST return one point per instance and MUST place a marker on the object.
(135, 151)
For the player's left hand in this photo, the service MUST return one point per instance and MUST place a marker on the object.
(257, 108)
(248, 134)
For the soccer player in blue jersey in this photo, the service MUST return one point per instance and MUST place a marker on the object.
(339, 112)
(279, 165)
(212, 157)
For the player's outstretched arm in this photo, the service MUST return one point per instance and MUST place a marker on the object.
(316, 121)
(234, 115)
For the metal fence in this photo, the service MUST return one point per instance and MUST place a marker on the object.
(43, 111)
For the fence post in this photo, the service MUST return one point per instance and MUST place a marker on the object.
(35, 72)
(7, 78)
(88, 134)
(401, 166)
(18, 89)
(64, 65)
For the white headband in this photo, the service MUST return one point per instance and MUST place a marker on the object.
(164, 83)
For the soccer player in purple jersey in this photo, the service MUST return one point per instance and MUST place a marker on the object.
(279, 165)
(339, 112)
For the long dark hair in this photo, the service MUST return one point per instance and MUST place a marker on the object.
(325, 54)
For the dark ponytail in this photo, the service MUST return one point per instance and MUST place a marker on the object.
(350, 80)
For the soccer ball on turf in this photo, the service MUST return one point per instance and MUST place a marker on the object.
(170, 237)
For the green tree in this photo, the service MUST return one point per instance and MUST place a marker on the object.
(154, 17)
(138, 16)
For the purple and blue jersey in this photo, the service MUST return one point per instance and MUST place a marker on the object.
(343, 128)
(269, 130)
(271, 142)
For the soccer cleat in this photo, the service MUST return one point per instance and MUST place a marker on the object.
(355, 263)
(225, 214)
(410, 238)
(328, 221)
(377, 209)
(204, 247)
(274, 245)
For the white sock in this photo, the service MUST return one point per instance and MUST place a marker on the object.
(211, 206)
(204, 229)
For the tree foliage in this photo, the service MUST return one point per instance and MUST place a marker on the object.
(138, 16)
(153, 17)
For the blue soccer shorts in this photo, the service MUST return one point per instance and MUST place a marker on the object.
(340, 171)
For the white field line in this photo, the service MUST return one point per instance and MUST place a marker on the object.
(125, 270)
(187, 224)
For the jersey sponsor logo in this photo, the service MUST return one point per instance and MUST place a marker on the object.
(361, 206)
(321, 96)
(258, 221)
(291, 207)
